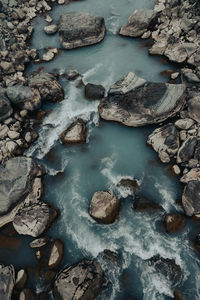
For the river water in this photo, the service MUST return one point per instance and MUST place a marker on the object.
(112, 152)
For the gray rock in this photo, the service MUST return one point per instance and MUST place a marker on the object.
(21, 279)
(79, 281)
(180, 52)
(75, 134)
(5, 106)
(40, 242)
(94, 91)
(135, 102)
(16, 178)
(56, 254)
(186, 151)
(51, 29)
(191, 198)
(194, 108)
(139, 21)
(193, 174)
(7, 281)
(104, 207)
(184, 123)
(78, 29)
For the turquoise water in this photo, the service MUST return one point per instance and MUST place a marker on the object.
(112, 152)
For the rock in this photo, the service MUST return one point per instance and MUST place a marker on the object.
(78, 29)
(48, 87)
(79, 281)
(140, 20)
(21, 279)
(94, 91)
(186, 151)
(110, 256)
(3, 131)
(51, 29)
(165, 140)
(34, 219)
(16, 178)
(178, 295)
(176, 170)
(56, 255)
(104, 207)
(135, 102)
(75, 134)
(73, 74)
(191, 198)
(11, 147)
(13, 135)
(40, 242)
(184, 123)
(194, 109)
(7, 281)
(174, 222)
(5, 107)
(7, 67)
(130, 184)
(50, 54)
(193, 163)
(27, 294)
(142, 204)
(180, 52)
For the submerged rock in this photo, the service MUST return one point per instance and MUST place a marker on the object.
(78, 29)
(174, 222)
(7, 281)
(135, 102)
(142, 204)
(82, 280)
(104, 207)
(75, 134)
(94, 91)
(191, 198)
(56, 254)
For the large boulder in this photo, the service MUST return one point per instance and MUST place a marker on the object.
(135, 102)
(104, 207)
(5, 106)
(78, 29)
(81, 281)
(76, 133)
(139, 21)
(191, 198)
(16, 179)
(7, 281)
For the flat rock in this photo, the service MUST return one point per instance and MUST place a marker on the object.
(5, 107)
(78, 29)
(40, 242)
(75, 134)
(51, 29)
(174, 222)
(186, 151)
(191, 198)
(104, 207)
(135, 102)
(56, 254)
(7, 281)
(140, 21)
(194, 108)
(184, 124)
(82, 280)
(94, 91)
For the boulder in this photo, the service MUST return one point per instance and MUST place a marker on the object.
(142, 204)
(186, 151)
(140, 21)
(34, 219)
(7, 281)
(5, 107)
(129, 183)
(21, 279)
(104, 207)
(78, 29)
(180, 52)
(27, 294)
(94, 91)
(193, 174)
(191, 198)
(165, 140)
(16, 179)
(75, 134)
(184, 124)
(110, 256)
(40, 242)
(135, 102)
(82, 280)
(194, 108)
(174, 222)
(51, 29)
(48, 87)
(56, 254)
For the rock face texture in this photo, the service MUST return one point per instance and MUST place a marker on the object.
(139, 21)
(194, 108)
(191, 198)
(135, 102)
(78, 29)
(5, 106)
(187, 149)
(75, 134)
(16, 178)
(56, 254)
(79, 281)
(7, 281)
(104, 207)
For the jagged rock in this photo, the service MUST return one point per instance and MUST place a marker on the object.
(27, 294)
(130, 184)
(21, 279)
(111, 256)
(78, 29)
(40, 242)
(5, 107)
(184, 123)
(142, 204)
(174, 222)
(104, 207)
(165, 141)
(135, 102)
(79, 281)
(140, 21)
(186, 151)
(51, 29)
(13, 135)
(75, 134)
(56, 254)
(180, 52)
(194, 108)
(94, 91)
(7, 281)
(34, 219)
(16, 178)
(191, 198)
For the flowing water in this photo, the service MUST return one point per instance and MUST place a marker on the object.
(112, 152)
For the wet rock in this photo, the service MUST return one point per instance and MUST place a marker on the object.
(186, 151)
(176, 170)
(78, 29)
(178, 295)
(191, 198)
(21, 279)
(48, 87)
(94, 91)
(194, 108)
(142, 204)
(111, 256)
(40, 242)
(184, 123)
(140, 21)
(27, 294)
(174, 222)
(51, 29)
(135, 102)
(16, 178)
(165, 141)
(34, 219)
(7, 281)
(104, 207)
(5, 107)
(75, 134)
(56, 254)
(50, 54)
(129, 183)
(79, 281)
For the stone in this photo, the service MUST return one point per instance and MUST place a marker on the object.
(104, 207)
(174, 222)
(50, 54)
(130, 184)
(5, 107)
(7, 67)
(78, 29)
(27, 294)
(184, 124)
(135, 102)
(7, 281)
(194, 108)
(193, 163)
(140, 21)
(13, 135)
(142, 204)
(34, 219)
(56, 254)
(51, 29)
(40, 242)
(180, 52)
(191, 198)
(82, 280)
(3, 131)
(94, 91)
(176, 170)
(186, 151)
(110, 256)
(75, 134)
(21, 279)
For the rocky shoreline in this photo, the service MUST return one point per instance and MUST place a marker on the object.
(174, 29)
